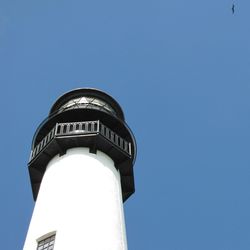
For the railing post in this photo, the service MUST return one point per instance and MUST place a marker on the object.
(129, 148)
(31, 155)
(56, 127)
(98, 126)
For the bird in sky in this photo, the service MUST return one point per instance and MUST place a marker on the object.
(233, 8)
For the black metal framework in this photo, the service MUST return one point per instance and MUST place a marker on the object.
(47, 244)
(84, 118)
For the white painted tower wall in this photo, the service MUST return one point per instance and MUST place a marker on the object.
(80, 199)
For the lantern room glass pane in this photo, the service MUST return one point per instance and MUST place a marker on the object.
(88, 102)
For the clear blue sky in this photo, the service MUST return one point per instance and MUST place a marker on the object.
(181, 72)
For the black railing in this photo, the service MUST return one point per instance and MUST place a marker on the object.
(43, 143)
(77, 128)
(82, 128)
(115, 138)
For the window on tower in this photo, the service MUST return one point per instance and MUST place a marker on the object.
(47, 243)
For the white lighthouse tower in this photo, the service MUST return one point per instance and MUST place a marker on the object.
(81, 171)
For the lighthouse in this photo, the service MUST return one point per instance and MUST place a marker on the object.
(81, 172)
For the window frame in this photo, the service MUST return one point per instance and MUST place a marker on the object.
(46, 242)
